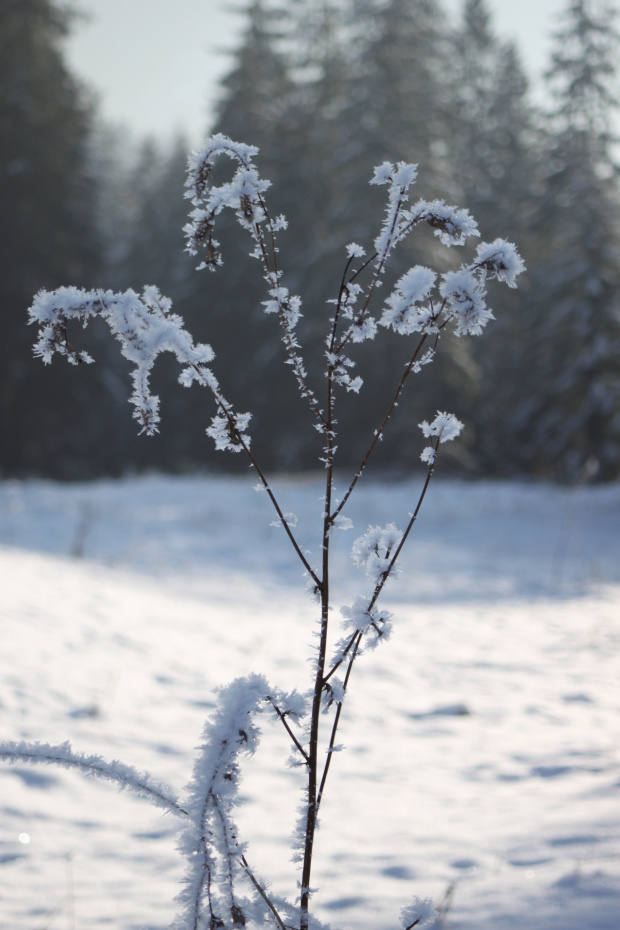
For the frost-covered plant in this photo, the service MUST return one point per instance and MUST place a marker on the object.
(221, 889)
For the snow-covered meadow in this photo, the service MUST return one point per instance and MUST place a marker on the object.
(482, 759)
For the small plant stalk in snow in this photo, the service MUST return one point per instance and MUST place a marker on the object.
(221, 890)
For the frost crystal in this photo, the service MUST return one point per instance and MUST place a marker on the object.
(209, 841)
(426, 359)
(420, 914)
(501, 260)
(374, 550)
(290, 519)
(400, 312)
(399, 177)
(244, 195)
(464, 296)
(452, 225)
(445, 425)
(355, 251)
(333, 693)
(124, 776)
(339, 365)
(142, 324)
(374, 625)
(364, 328)
(428, 455)
(289, 307)
(227, 431)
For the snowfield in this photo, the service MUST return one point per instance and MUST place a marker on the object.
(482, 759)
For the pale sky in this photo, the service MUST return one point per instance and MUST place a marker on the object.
(155, 63)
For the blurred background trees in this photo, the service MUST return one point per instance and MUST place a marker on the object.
(48, 233)
(327, 90)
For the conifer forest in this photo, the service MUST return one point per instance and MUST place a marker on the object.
(326, 90)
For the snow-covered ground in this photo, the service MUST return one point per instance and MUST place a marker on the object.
(482, 758)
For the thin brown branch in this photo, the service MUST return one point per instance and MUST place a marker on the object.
(225, 408)
(337, 664)
(282, 717)
(356, 639)
(373, 284)
(343, 285)
(311, 818)
(386, 574)
(288, 338)
(262, 893)
(332, 739)
(379, 432)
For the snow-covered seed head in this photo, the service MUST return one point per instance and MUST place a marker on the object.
(464, 295)
(227, 432)
(445, 425)
(144, 326)
(243, 194)
(373, 551)
(420, 914)
(372, 622)
(402, 312)
(452, 225)
(501, 260)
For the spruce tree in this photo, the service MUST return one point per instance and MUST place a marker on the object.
(493, 143)
(254, 95)
(566, 422)
(491, 126)
(47, 236)
(397, 109)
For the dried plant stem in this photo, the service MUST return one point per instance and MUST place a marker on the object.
(332, 740)
(379, 269)
(414, 516)
(298, 745)
(379, 431)
(226, 410)
(355, 641)
(261, 891)
(289, 339)
(311, 817)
